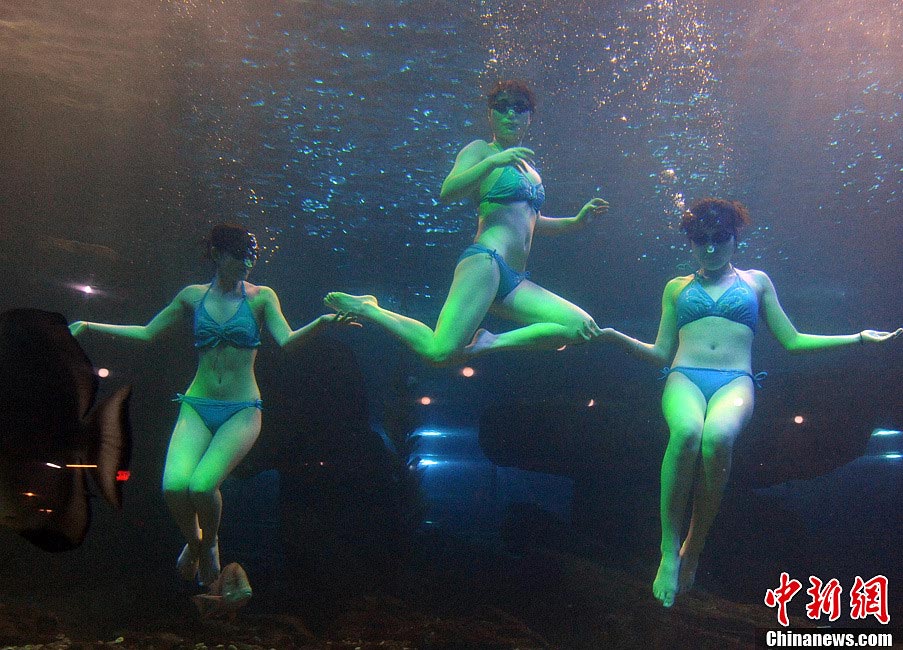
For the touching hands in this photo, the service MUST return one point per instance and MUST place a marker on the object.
(592, 209)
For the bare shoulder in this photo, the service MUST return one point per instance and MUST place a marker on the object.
(259, 292)
(676, 285)
(476, 148)
(192, 294)
(759, 280)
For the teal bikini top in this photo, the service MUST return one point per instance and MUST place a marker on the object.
(738, 303)
(241, 330)
(513, 185)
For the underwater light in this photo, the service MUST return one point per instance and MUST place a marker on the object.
(427, 463)
(429, 432)
(893, 456)
(886, 432)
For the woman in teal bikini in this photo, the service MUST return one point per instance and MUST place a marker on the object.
(706, 332)
(220, 415)
(489, 276)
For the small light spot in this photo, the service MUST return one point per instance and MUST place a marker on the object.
(103, 373)
(799, 419)
(53, 465)
(591, 403)
(426, 401)
(467, 371)
(123, 475)
(87, 289)
(738, 401)
(563, 347)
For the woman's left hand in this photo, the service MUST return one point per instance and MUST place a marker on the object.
(872, 336)
(592, 209)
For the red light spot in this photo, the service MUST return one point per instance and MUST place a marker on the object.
(123, 475)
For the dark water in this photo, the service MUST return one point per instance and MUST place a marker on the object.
(327, 128)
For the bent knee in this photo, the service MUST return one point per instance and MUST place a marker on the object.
(203, 488)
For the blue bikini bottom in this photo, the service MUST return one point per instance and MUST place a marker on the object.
(710, 380)
(215, 412)
(508, 277)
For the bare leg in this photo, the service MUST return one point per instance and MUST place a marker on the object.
(472, 292)
(684, 409)
(228, 447)
(190, 438)
(728, 412)
(551, 322)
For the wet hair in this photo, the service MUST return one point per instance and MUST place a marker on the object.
(233, 239)
(715, 214)
(514, 88)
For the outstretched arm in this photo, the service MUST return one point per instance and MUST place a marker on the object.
(560, 225)
(662, 351)
(472, 165)
(279, 328)
(173, 313)
(793, 341)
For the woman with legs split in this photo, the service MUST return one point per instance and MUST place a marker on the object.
(706, 332)
(499, 176)
(220, 414)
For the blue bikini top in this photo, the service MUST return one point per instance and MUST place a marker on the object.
(738, 303)
(513, 185)
(241, 330)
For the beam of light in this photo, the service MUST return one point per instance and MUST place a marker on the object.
(29, 494)
(54, 465)
(429, 432)
(80, 466)
(886, 432)
(893, 456)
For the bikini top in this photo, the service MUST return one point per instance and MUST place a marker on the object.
(513, 185)
(738, 303)
(241, 330)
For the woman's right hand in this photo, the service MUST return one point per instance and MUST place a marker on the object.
(77, 327)
(515, 156)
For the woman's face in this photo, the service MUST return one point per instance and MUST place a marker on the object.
(713, 248)
(509, 117)
(230, 265)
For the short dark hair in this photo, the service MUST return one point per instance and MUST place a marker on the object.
(711, 213)
(516, 87)
(231, 238)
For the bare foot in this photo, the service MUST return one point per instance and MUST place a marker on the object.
(208, 562)
(687, 574)
(345, 303)
(482, 341)
(665, 586)
(187, 564)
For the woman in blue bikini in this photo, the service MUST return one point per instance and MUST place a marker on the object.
(706, 332)
(220, 415)
(489, 276)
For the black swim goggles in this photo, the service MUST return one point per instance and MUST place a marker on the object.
(249, 253)
(519, 106)
(717, 237)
